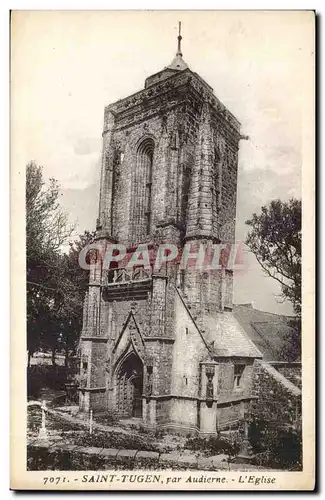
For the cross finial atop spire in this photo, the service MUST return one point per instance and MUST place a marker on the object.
(179, 51)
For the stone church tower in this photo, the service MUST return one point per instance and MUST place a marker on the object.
(162, 344)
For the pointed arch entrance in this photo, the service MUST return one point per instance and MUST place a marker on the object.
(129, 386)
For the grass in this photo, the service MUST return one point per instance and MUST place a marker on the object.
(72, 433)
(134, 438)
(120, 441)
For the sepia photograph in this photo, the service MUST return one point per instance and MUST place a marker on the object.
(160, 164)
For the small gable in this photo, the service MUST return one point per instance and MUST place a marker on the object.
(130, 334)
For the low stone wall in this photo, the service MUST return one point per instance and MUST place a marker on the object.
(120, 459)
(291, 371)
(278, 399)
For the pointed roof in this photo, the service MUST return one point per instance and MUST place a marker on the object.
(178, 62)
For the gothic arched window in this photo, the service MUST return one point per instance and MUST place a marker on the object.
(141, 191)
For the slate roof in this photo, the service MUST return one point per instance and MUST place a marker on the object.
(266, 330)
(227, 337)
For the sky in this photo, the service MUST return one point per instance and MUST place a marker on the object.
(68, 65)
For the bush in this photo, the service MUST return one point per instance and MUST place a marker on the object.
(44, 459)
(118, 440)
(159, 433)
(106, 419)
(279, 447)
(214, 445)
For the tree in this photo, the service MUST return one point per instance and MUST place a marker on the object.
(290, 349)
(56, 284)
(74, 285)
(275, 239)
(47, 229)
(64, 317)
(47, 225)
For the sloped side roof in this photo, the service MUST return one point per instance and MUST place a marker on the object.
(227, 336)
(223, 335)
(268, 331)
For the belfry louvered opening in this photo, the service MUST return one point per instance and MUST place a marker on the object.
(141, 191)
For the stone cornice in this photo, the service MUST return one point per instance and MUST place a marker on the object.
(94, 339)
(159, 339)
(218, 400)
(202, 235)
(176, 85)
(171, 83)
(127, 120)
(159, 276)
(92, 389)
(104, 234)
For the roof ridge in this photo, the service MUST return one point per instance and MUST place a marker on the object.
(264, 322)
(265, 312)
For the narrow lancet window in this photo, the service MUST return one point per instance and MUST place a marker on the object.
(141, 216)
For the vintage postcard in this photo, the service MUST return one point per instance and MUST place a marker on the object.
(162, 201)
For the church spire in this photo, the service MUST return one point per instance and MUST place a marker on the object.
(179, 38)
(178, 62)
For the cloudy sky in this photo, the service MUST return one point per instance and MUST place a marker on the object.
(66, 66)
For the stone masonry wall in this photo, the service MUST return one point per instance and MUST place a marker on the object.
(278, 399)
(229, 415)
(228, 194)
(180, 115)
(189, 349)
(226, 389)
(192, 189)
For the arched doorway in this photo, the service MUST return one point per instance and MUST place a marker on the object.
(129, 378)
